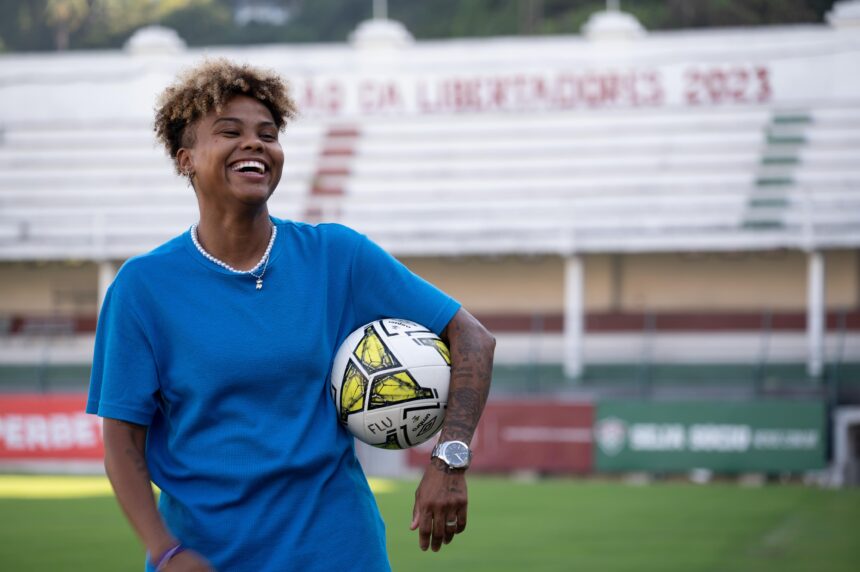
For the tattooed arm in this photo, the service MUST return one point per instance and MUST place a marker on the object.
(441, 497)
(125, 464)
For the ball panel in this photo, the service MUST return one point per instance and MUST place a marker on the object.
(421, 423)
(372, 352)
(377, 424)
(435, 377)
(391, 442)
(353, 390)
(417, 348)
(394, 327)
(396, 387)
(438, 345)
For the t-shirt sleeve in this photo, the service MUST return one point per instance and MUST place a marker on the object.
(124, 380)
(382, 287)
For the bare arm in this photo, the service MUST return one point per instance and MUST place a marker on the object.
(442, 496)
(472, 348)
(125, 464)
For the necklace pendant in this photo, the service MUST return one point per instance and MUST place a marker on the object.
(259, 283)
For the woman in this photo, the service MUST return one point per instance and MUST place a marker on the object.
(212, 353)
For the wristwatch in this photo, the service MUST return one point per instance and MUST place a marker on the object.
(455, 454)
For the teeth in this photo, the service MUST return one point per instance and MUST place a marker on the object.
(256, 165)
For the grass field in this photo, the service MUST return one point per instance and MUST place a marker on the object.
(554, 525)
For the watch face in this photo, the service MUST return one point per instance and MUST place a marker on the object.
(457, 454)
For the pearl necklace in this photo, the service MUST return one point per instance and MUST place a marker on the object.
(264, 261)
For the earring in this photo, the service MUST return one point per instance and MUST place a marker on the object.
(188, 174)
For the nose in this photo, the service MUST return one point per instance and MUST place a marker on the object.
(252, 143)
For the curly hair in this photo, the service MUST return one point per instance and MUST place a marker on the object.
(210, 86)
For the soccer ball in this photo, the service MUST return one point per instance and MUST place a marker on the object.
(389, 382)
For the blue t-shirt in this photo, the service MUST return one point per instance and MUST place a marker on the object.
(255, 471)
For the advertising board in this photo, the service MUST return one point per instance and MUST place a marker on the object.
(765, 436)
(516, 435)
(48, 428)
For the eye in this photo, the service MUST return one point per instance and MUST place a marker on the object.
(230, 133)
(268, 137)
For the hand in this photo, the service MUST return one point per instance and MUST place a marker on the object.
(188, 561)
(440, 506)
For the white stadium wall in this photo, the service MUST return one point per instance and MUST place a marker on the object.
(789, 66)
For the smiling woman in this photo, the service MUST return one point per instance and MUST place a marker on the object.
(220, 125)
(214, 387)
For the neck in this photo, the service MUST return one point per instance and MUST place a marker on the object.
(240, 241)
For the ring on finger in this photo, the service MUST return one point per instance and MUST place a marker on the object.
(451, 522)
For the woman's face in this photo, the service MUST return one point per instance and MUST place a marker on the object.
(235, 156)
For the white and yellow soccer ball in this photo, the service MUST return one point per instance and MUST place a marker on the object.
(389, 382)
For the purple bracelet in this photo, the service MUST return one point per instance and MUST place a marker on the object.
(165, 558)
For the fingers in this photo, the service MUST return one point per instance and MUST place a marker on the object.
(461, 520)
(434, 529)
(438, 531)
(445, 527)
(425, 528)
(451, 528)
(455, 523)
(439, 512)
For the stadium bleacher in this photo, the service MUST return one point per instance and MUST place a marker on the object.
(704, 166)
(545, 183)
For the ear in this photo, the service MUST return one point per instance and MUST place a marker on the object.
(184, 161)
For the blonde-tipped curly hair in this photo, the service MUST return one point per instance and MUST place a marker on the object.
(209, 86)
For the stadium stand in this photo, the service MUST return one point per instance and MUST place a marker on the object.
(595, 181)
(610, 155)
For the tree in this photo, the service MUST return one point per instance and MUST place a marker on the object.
(65, 16)
(709, 13)
(28, 25)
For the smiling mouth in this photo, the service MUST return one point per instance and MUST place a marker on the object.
(249, 167)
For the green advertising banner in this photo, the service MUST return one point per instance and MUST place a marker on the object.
(762, 436)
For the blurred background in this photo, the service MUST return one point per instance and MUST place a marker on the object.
(653, 204)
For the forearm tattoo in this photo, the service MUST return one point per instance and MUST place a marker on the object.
(471, 371)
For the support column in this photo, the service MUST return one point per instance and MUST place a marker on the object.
(815, 314)
(574, 311)
(107, 272)
(380, 9)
